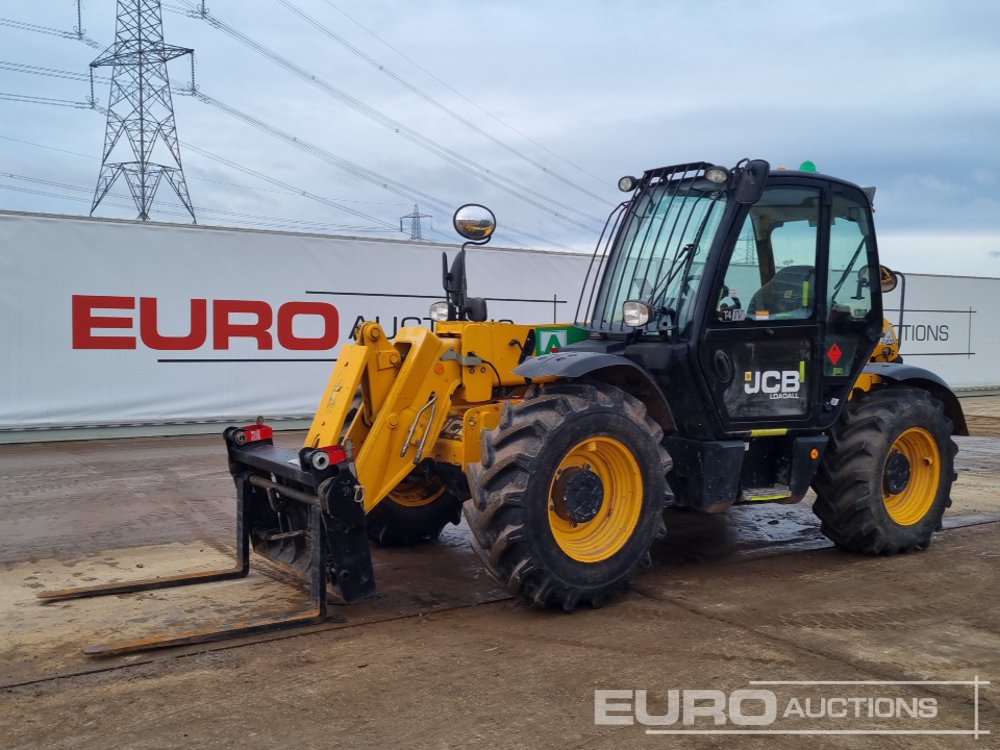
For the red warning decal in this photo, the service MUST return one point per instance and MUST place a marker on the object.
(834, 353)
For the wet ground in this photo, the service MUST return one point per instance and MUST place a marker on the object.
(442, 658)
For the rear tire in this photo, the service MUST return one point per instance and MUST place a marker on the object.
(570, 493)
(886, 478)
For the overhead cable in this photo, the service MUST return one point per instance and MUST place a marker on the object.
(459, 94)
(501, 182)
(326, 31)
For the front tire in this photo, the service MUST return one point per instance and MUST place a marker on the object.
(570, 494)
(886, 478)
(415, 511)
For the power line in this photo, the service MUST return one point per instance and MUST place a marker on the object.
(267, 224)
(458, 93)
(243, 186)
(352, 168)
(303, 145)
(344, 164)
(284, 187)
(250, 218)
(43, 100)
(371, 175)
(431, 100)
(38, 70)
(51, 148)
(280, 183)
(519, 191)
(34, 27)
(287, 188)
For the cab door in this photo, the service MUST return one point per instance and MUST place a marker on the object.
(762, 336)
(852, 298)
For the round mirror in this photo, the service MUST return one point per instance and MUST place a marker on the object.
(475, 222)
(888, 279)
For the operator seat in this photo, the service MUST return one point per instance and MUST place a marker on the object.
(789, 294)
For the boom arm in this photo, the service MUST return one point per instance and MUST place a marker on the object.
(411, 387)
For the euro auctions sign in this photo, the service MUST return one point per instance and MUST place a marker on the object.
(124, 322)
(813, 707)
(120, 322)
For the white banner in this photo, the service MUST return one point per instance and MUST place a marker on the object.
(109, 322)
(948, 327)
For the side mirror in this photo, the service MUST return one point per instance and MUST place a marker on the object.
(475, 223)
(888, 279)
(750, 178)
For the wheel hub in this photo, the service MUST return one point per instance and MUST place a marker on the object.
(577, 495)
(897, 473)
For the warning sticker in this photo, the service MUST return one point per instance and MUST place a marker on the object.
(834, 353)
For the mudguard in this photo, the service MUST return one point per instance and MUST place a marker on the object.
(608, 368)
(930, 382)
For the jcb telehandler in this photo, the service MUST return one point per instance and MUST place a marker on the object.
(729, 349)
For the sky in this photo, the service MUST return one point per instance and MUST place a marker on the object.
(544, 103)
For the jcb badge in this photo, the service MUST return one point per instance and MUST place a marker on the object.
(775, 383)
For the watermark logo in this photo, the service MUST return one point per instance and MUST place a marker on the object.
(798, 707)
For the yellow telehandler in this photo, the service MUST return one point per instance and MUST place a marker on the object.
(728, 348)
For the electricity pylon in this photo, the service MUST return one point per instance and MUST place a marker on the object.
(415, 217)
(141, 109)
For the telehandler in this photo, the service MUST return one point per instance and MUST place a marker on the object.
(728, 348)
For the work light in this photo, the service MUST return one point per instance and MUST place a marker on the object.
(439, 311)
(627, 184)
(717, 175)
(636, 314)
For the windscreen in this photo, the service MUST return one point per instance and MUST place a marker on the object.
(658, 246)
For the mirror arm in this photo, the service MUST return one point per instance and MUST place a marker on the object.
(456, 287)
(902, 301)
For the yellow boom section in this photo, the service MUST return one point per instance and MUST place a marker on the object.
(412, 386)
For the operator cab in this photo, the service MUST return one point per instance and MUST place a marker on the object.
(756, 280)
(745, 295)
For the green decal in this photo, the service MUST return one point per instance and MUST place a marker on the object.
(548, 338)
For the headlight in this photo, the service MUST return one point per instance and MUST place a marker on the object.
(439, 311)
(635, 313)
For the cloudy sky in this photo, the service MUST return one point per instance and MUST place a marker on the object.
(534, 108)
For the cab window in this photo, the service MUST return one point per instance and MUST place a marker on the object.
(772, 271)
(849, 287)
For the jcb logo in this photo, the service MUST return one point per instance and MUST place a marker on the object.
(775, 383)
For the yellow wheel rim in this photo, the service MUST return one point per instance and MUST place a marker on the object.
(416, 491)
(911, 504)
(607, 532)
